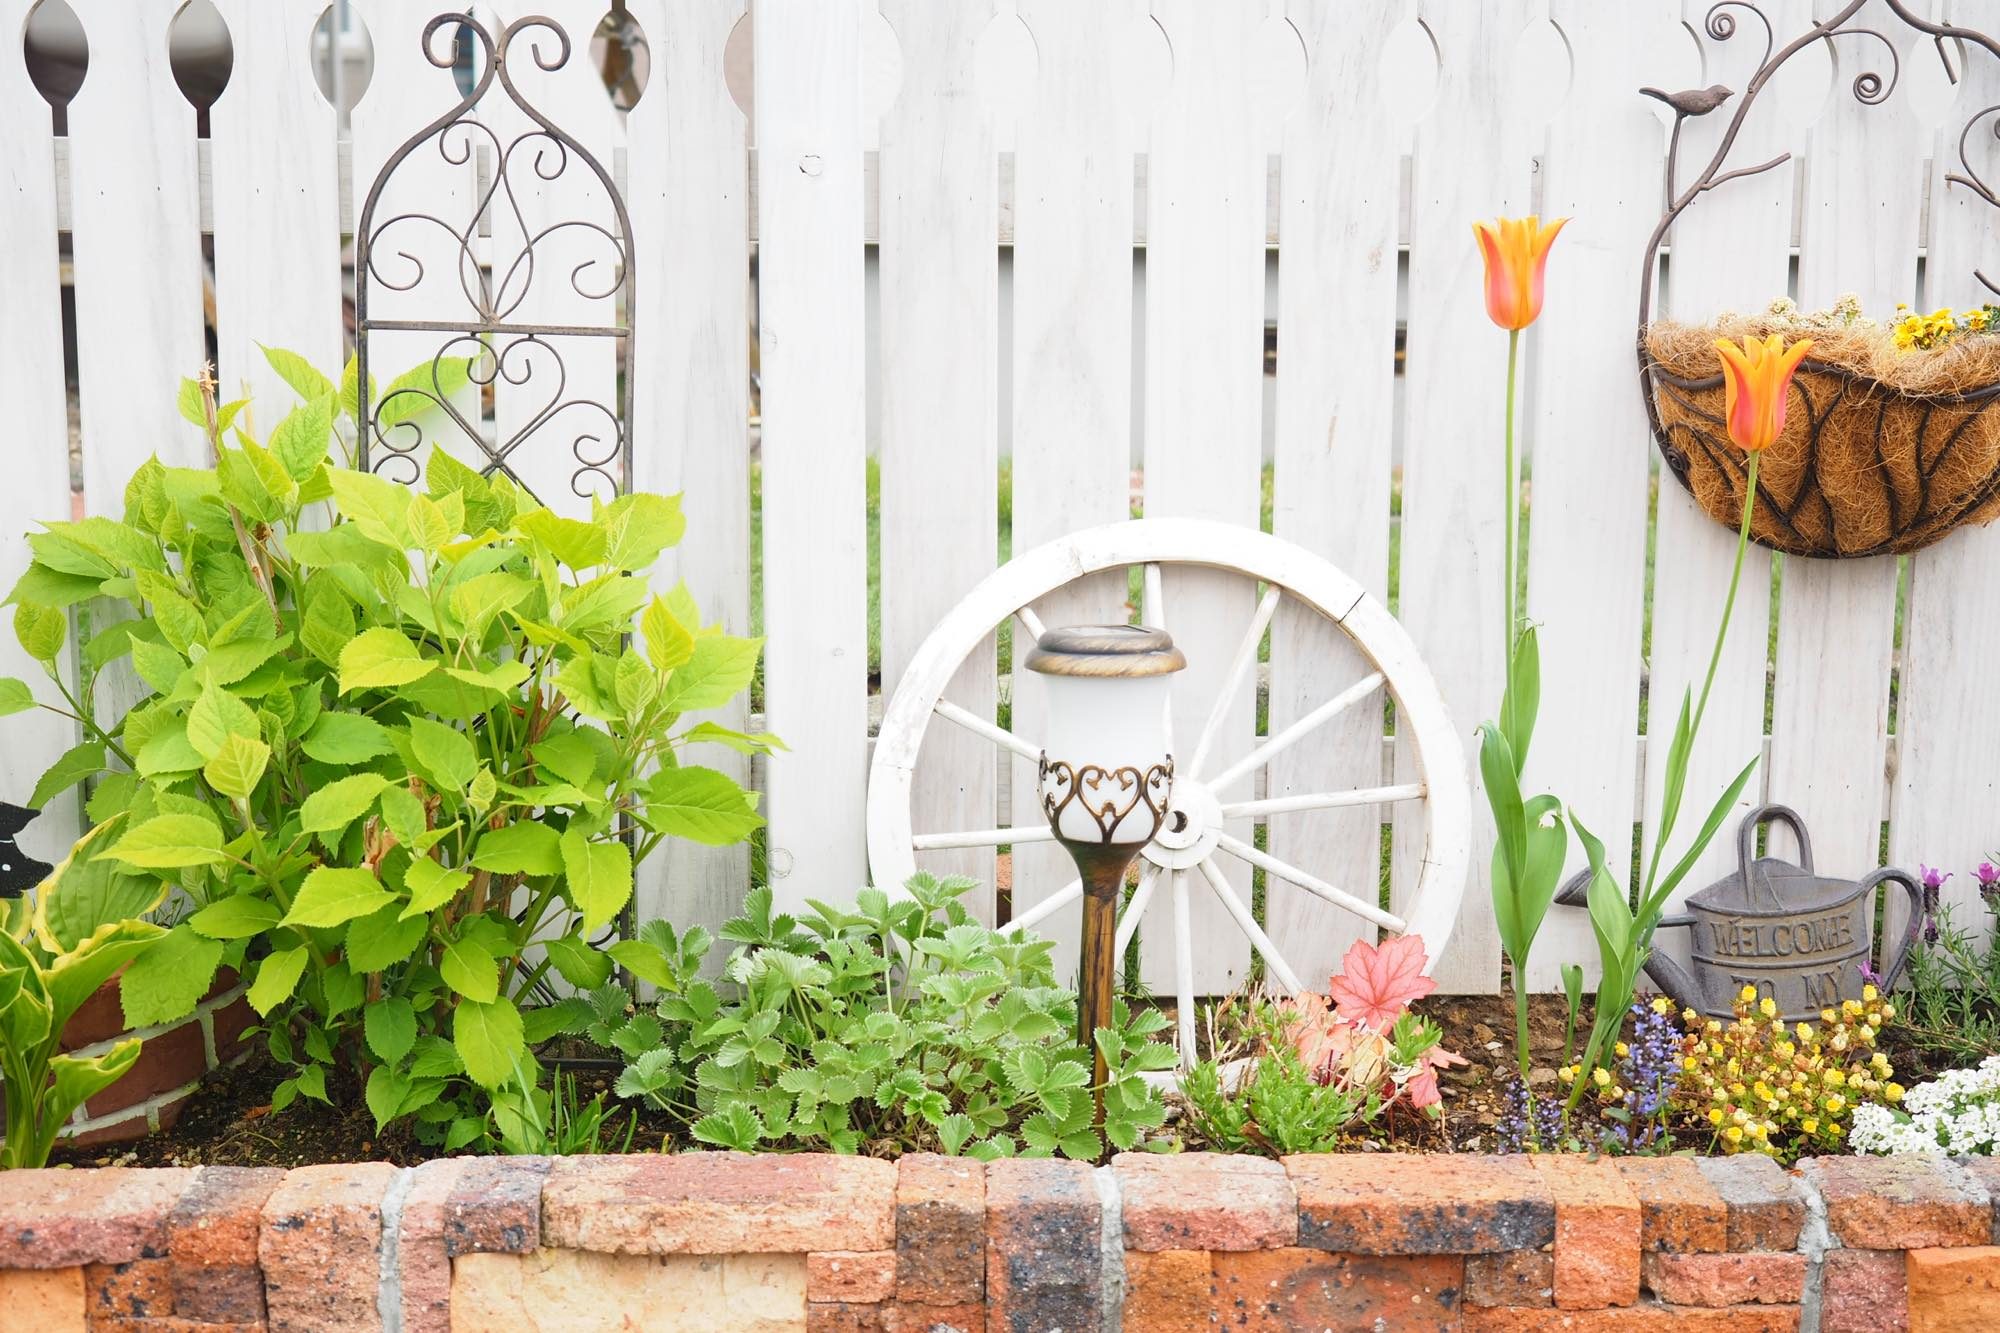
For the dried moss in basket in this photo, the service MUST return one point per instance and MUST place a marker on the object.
(1886, 448)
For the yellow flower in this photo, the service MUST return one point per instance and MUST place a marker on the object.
(1894, 1092)
(1869, 993)
(1768, 1007)
(1835, 1102)
(1733, 1134)
(1622, 1049)
(1749, 994)
(1600, 1077)
(1805, 1032)
(1715, 1115)
(1809, 1125)
(1661, 1004)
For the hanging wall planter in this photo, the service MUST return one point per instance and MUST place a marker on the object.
(1882, 451)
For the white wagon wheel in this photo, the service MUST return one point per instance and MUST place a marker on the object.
(1183, 853)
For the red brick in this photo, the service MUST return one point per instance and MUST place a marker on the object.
(463, 1205)
(1277, 1291)
(1205, 1201)
(1645, 1317)
(1168, 1291)
(320, 1248)
(1394, 1204)
(1904, 1202)
(108, 1215)
(173, 1059)
(134, 1289)
(855, 1276)
(940, 1231)
(1863, 1291)
(1597, 1232)
(99, 1018)
(719, 1203)
(1759, 1277)
(840, 1317)
(135, 1124)
(921, 1318)
(1044, 1255)
(212, 1237)
(1986, 1171)
(1954, 1290)
(1766, 1209)
(227, 1024)
(170, 1324)
(1680, 1212)
(46, 1300)
(1517, 1277)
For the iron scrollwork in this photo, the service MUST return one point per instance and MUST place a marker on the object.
(1699, 429)
(1106, 795)
(479, 321)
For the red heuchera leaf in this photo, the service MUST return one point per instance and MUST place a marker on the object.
(1375, 985)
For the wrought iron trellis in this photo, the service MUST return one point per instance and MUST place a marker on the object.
(498, 348)
(1701, 429)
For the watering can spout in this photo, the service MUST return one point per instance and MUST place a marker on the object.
(1674, 981)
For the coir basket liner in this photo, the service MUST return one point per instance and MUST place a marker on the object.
(1884, 450)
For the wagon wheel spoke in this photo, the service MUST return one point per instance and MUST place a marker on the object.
(1183, 970)
(1048, 906)
(1031, 623)
(1239, 666)
(979, 726)
(1312, 884)
(1298, 731)
(1248, 924)
(1128, 925)
(982, 837)
(1323, 800)
(1154, 616)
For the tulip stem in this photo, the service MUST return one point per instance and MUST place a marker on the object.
(1513, 509)
(1735, 576)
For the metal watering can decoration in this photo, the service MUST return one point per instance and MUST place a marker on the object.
(1796, 936)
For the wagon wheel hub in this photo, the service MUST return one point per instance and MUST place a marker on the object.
(1190, 828)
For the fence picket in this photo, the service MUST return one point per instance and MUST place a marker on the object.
(1587, 544)
(1730, 252)
(939, 408)
(276, 192)
(32, 384)
(808, 117)
(1864, 186)
(688, 195)
(1072, 388)
(1452, 531)
(1948, 722)
(1336, 406)
(1205, 308)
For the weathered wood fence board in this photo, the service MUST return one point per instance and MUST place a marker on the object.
(1186, 129)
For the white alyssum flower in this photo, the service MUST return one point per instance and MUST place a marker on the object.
(1956, 1114)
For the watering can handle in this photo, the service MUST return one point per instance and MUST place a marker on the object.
(1746, 840)
(1901, 953)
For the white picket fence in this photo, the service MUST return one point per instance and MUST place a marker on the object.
(914, 130)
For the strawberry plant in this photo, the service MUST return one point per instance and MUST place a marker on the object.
(396, 752)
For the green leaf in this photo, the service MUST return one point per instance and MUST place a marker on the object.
(759, 742)
(380, 658)
(170, 841)
(569, 756)
(490, 1040)
(228, 663)
(300, 440)
(82, 761)
(163, 984)
(237, 917)
(346, 738)
(333, 896)
(391, 1028)
(385, 1092)
(339, 803)
(638, 526)
(469, 969)
(1522, 698)
(405, 816)
(42, 630)
(190, 405)
(669, 644)
(167, 753)
(519, 849)
(1709, 827)
(235, 769)
(431, 886)
(276, 979)
(87, 891)
(701, 805)
(382, 939)
(430, 527)
(327, 626)
(600, 877)
(15, 696)
(378, 508)
(420, 388)
(717, 671)
(577, 544)
(75, 1079)
(444, 753)
(580, 965)
(158, 665)
(307, 382)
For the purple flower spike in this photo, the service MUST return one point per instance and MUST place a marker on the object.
(1933, 877)
(1988, 874)
(1869, 975)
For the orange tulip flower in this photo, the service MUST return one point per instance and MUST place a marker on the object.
(1515, 250)
(1757, 379)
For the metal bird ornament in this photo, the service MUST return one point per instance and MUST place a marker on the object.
(1692, 101)
(19, 871)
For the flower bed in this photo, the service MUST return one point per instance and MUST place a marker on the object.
(726, 1241)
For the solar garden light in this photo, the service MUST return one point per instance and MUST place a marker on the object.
(1106, 777)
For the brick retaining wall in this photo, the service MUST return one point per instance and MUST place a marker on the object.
(722, 1241)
